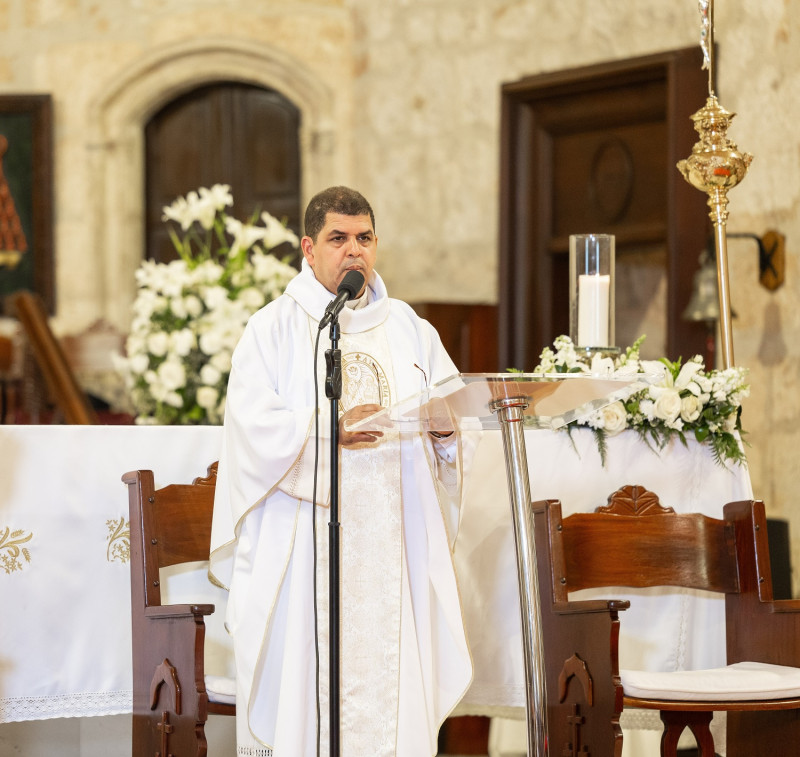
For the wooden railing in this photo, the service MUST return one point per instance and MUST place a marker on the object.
(65, 392)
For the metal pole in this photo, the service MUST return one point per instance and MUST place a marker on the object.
(510, 414)
(723, 284)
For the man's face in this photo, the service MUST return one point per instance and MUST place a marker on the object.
(346, 243)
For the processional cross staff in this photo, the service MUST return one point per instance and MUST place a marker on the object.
(714, 167)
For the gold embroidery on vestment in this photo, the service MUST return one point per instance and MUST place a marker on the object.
(364, 382)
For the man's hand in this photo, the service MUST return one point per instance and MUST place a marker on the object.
(438, 422)
(354, 414)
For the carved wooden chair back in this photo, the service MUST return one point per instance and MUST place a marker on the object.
(631, 547)
(635, 542)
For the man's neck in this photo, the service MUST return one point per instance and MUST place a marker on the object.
(359, 302)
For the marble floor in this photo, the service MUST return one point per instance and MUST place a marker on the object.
(107, 736)
(110, 737)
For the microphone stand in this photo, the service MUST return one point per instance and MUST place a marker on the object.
(333, 391)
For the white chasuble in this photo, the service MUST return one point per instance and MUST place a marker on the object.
(404, 661)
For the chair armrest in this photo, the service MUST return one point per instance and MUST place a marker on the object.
(786, 605)
(591, 605)
(177, 611)
(586, 628)
(763, 631)
(583, 635)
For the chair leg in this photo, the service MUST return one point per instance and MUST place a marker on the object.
(674, 724)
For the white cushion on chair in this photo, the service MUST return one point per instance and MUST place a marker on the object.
(740, 681)
(221, 690)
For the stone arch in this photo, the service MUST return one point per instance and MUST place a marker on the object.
(118, 118)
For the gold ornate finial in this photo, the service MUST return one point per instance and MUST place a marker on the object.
(715, 166)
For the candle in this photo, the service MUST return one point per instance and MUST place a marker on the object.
(593, 310)
(591, 291)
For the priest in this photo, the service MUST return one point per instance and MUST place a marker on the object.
(404, 658)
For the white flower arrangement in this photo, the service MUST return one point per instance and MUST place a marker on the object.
(190, 313)
(684, 399)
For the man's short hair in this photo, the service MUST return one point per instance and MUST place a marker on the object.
(342, 200)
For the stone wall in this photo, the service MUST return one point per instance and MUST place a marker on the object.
(402, 99)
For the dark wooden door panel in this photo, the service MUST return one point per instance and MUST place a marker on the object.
(227, 133)
(269, 125)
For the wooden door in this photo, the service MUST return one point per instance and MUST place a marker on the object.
(226, 133)
(594, 150)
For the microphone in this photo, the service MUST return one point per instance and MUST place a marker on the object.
(348, 289)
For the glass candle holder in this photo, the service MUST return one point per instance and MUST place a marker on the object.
(591, 291)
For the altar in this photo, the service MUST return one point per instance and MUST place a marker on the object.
(64, 543)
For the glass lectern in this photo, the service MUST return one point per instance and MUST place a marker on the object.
(511, 402)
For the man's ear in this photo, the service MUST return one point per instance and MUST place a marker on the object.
(307, 246)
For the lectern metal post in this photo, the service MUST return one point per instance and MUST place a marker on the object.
(510, 413)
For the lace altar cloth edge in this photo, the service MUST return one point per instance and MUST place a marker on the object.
(79, 705)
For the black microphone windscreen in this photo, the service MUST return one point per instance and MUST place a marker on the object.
(351, 283)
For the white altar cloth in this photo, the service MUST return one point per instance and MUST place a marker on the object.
(65, 629)
(65, 635)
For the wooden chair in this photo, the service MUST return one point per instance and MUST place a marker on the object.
(171, 696)
(635, 542)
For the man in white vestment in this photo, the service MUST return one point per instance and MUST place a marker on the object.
(403, 655)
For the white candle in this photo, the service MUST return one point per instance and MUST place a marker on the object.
(593, 310)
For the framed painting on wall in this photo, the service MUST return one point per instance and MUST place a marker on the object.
(26, 196)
